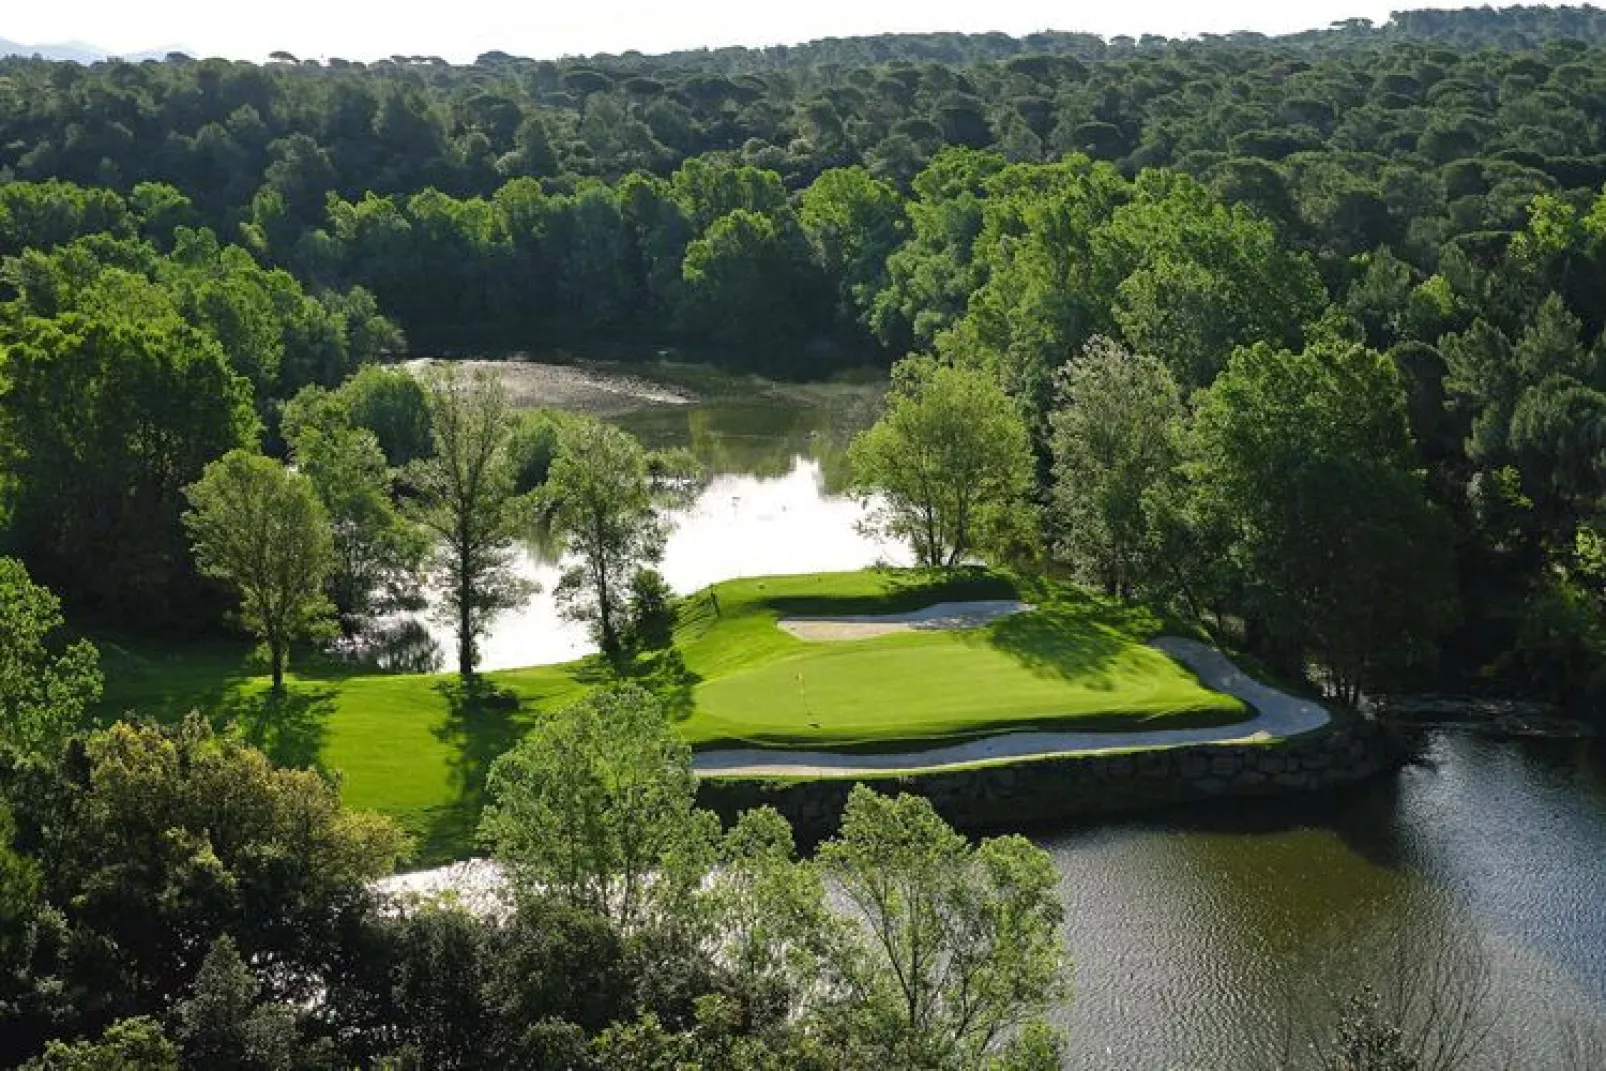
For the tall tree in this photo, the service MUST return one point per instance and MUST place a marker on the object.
(948, 464)
(1112, 444)
(962, 956)
(601, 497)
(467, 499)
(259, 527)
(378, 555)
(1301, 465)
(596, 806)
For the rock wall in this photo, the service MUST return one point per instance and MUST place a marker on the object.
(1019, 795)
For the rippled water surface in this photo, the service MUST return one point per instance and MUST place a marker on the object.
(1217, 938)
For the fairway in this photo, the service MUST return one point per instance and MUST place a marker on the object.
(417, 747)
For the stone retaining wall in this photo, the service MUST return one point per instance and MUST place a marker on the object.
(1033, 792)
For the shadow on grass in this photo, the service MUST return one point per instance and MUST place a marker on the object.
(482, 721)
(906, 590)
(662, 672)
(1060, 643)
(1072, 635)
(290, 728)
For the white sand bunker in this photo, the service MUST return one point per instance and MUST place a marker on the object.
(942, 616)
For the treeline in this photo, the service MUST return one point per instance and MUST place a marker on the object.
(1404, 480)
(412, 179)
(1435, 205)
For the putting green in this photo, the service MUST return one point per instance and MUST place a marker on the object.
(1073, 661)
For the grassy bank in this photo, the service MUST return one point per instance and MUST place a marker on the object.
(417, 746)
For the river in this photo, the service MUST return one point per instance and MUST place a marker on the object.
(1219, 937)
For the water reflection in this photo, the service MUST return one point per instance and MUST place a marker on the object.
(740, 525)
(399, 646)
(1222, 937)
(777, 454)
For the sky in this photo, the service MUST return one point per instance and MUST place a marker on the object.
(459, 30)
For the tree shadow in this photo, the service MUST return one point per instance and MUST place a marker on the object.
(906, 590)
(1059, 643)
(482, 721)
(662, 672)
(290, 727)
(1071, 635)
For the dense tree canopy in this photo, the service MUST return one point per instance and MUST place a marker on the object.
(948, 465)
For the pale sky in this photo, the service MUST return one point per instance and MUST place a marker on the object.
(461, 29)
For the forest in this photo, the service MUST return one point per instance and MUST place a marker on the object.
(1427, 190)
(1301, 338)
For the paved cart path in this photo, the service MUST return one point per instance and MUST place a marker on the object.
(1277, 715)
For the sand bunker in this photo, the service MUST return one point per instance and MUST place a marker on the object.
(942, 616)
(1277, 715)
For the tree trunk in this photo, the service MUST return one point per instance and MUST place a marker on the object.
(276, 663)
(465, 640)
(610, 638)
(465, 613)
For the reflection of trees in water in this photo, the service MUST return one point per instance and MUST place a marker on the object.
(760, 436)
(394, 647)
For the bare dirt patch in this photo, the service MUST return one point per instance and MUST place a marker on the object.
(943, 616)
(575, 388)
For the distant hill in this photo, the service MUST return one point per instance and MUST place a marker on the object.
(76, 51)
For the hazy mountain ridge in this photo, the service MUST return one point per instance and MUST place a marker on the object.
(76, 51)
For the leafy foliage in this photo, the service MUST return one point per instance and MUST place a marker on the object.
(260, 528)
(45, 687)
(951, 462)
(468, 503)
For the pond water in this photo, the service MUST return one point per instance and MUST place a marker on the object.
(774, 504)
(1218, 938)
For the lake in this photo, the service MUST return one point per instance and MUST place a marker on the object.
(1221, 936)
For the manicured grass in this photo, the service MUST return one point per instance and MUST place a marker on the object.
(1072, 662)
(413, 747)
(417, 747)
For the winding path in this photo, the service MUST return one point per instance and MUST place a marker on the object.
(1277, 714)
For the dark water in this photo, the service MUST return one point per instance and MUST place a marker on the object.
(1223, 937)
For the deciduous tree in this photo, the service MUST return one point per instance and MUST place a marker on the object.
(468, 502)
(948, 465)
(603, 498)
(596, 806)
(260, 529)
(1113, 446)
(962, 955)
(45, 686)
